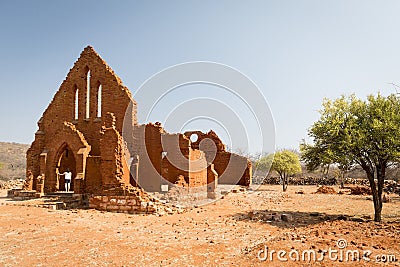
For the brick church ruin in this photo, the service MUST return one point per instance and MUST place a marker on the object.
(90, 127)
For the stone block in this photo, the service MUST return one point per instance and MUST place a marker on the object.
(125, 208)
(286, 217)
(151, 209)
(131, 201)
(135, 208)
(121, 202)
(112, 208)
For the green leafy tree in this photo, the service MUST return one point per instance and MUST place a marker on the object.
(285, 162)
(315, 157)
(264, 163)
(352, 132)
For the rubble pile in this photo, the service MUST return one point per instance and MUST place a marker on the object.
(360, 190)
(309, 180)
(325, 190)
(11, 184)
(392, 187)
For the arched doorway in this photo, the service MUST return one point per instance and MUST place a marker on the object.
(66, 160)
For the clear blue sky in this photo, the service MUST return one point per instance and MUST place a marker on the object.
(298, 52)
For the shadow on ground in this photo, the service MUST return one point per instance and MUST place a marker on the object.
(290, 219)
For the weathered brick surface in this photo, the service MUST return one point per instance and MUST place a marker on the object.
(59, 131)
(163, 157)
(231, 168)
(109, 153)
(133, 203)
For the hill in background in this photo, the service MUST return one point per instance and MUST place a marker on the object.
(12, 161)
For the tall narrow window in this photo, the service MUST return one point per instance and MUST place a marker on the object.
(88, 94)
(99, 101)
(76, 103)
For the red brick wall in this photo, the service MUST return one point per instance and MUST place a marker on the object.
(114, 170)
(99, 148)
(151, 141)
(232, 169)
(69, 136)
(92, 182)
(116, 98)
(198, 168)
(239, 170)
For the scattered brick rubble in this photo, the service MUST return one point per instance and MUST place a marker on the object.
(325, 190)
(10, 184)
(360, 190)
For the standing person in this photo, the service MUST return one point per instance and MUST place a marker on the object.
(68, 177)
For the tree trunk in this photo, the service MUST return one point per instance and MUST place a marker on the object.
(377, 208)
(284, 183)
(376, 189)
(381, 174)
(342, 179)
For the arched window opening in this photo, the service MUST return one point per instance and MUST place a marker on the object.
(76, 103)
(99, 92)
(88, 94)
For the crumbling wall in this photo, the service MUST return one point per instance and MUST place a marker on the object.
(113, 97)
(231, 168)
(33, 157)
(176, 158)
(134, 200)
(197, 168)
(68, 136)
(212, 182)
(167, 156)
(108, 146)
(93, 177)
(209, 142)
(147, 147)
(114, 169)
(123, 204)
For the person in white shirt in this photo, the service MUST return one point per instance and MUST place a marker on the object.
(68, 177)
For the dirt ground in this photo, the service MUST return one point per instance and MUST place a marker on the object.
(235, 231)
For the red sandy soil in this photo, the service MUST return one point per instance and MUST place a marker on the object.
(229, 232)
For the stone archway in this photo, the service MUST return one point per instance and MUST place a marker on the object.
(67, 139)
(66, 161)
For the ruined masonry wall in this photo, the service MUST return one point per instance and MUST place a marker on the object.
(231, 168)
(115, 98)
(115, 172)
(97, 144)
(125, 204)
